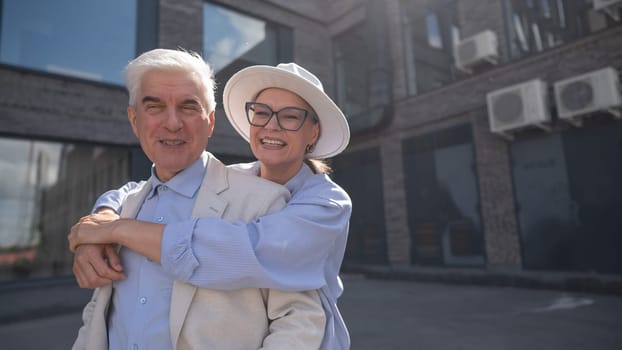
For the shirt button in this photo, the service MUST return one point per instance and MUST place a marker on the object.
(135, 347)
(164, 187)
(160, 219)
(142, 300)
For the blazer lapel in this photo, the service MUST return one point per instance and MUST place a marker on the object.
(134, 201)
(207, 204)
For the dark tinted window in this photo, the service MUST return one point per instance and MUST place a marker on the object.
(233, 40)
(443, 198)
(537, 25)
(429, 37)
(569, 196)
(359, 173)
(90, 39)
(45, 187)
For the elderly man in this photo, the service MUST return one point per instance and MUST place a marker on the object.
(171, 111)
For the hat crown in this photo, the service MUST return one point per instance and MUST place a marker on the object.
(301, 72)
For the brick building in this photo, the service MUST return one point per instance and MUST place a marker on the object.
(431, 183)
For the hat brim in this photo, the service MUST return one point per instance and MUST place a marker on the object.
(247, 83)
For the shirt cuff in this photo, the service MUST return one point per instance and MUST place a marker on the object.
(177, 258)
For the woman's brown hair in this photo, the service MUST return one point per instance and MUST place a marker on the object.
(318, 166)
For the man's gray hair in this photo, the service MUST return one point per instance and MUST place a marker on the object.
(171, 60)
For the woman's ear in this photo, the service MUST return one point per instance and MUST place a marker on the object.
(316, 133)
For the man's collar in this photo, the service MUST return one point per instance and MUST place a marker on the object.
(186, 182)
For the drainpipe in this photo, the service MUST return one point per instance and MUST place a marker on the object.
(380, 108)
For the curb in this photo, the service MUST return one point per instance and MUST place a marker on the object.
(571, 282)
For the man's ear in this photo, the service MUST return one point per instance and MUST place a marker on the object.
(212, 121)
(131, 116)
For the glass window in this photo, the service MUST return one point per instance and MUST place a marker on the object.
(360, 174)
(455, 35)
(434, 31)
(429, 36)
(534, 26)
(443, 199)
(351, 67)
(45, 187)
(545, 8)
(89, 39)
(232, 41)
(570, 200)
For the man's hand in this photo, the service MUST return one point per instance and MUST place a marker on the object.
(97, 265)
(93, 229)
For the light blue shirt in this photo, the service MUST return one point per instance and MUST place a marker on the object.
(139, 317)
(298, 248)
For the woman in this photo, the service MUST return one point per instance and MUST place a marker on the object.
(288, 120)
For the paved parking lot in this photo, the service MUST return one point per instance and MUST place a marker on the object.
(383, 314)
(405, 315)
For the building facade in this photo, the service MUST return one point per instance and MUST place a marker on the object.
(432, 184)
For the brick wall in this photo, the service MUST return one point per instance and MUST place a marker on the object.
(464, 101)
(39, 105)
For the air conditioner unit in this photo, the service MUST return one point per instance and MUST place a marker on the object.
(519, 106)
(610, 7)
(586, 93)
(475, 50)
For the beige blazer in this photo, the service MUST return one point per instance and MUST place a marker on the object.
(203, 318)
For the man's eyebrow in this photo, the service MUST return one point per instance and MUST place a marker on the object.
(192, 101)
(150, 99)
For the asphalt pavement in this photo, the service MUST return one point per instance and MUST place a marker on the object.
(404, 315)
(388, 315)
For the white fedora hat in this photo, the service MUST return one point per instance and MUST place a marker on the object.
(248, 82)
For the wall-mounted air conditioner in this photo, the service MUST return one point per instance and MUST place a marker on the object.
(586, 93)
(519, 106)
(475, 50)
(610, 7)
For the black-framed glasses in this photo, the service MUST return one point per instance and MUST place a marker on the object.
(288, 118)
